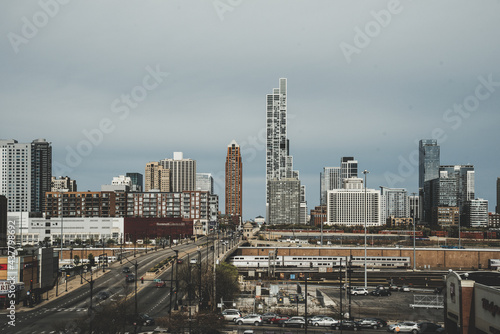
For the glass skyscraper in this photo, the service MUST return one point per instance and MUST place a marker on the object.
(428, 169)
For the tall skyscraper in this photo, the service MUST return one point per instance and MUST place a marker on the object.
(234, 182)
(279, 162)
(25, 174)
(394, 202)
(428, 161)
(182, 172)
(428, 169)
(455, 186)
(157, 177)
(284, 201)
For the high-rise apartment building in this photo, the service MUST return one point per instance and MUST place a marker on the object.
(234, 182)
(157, 177)
(396, 203)
(347, 207)
(284, 201)
(205, 182)
(63, 184)
(454, 187)
(476, 213)
(25, 174)
(348, 167)
(137, 181)
(330, 179)
(182, 172)
(279, 162)
(3, 221)
(428, 169)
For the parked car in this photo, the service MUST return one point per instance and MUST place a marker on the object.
(429, 327)
(67, 267)
(393, 287)
(267, 317)
(294, 322)
(325, 321)
(279, 319)
(380, 292)
(193, 261)
(405, 288)
(251, 319)
(359, 291)
(347, 324)
(231, 314)
(404, 327)
(315, 318)
(381, 287)
(370, 323)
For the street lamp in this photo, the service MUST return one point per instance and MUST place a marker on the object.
(176, 280)
(366, 274)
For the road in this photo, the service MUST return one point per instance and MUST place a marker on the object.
(67, 308)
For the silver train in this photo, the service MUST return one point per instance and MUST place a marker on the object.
(248, 261)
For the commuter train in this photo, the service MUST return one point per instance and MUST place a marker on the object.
(250, 261)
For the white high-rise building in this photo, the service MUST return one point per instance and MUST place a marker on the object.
(182, 172)
(25, 174)
(347, 206)
(477, 212)
(279, 162)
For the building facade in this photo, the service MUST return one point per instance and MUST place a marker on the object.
(25, 174)
(137, 181)
(329, 179)
(348, 167)
(350, 207)
(428, 169)
(476, 213)
(445, 216)
(157, 177)
(182, 172)
(497, 209)
(284, 201)
(205, 182)
(234, 182)
(396, 202)
(63, 184)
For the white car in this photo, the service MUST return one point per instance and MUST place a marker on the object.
(405, 288)
(404, 327)
(251, 319)
(231, 314)
(326, 321)
(359, 291)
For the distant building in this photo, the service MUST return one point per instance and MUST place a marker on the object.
(119, 183)
(329, 179)
(259, 220)
(319, 215)
(137, 182)
(494, 220)
(476, 213)
(63, 184)
(444, 216)
(86, 204)
(284, 201)
(347, 206)
(234, 182)
(348, 167)
(428, 169)
(395, 203)
(205, 182)
(182, 172)
(392, 221)
(157, 177)
(25, 174)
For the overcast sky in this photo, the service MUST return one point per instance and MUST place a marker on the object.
(143, 79)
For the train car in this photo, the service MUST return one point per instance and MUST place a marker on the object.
(248, 261)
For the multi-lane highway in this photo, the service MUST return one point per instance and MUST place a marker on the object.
(64, 311)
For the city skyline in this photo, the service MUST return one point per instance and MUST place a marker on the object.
(159, 78)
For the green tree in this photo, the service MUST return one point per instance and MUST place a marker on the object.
(91, 259)
(76, 260)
